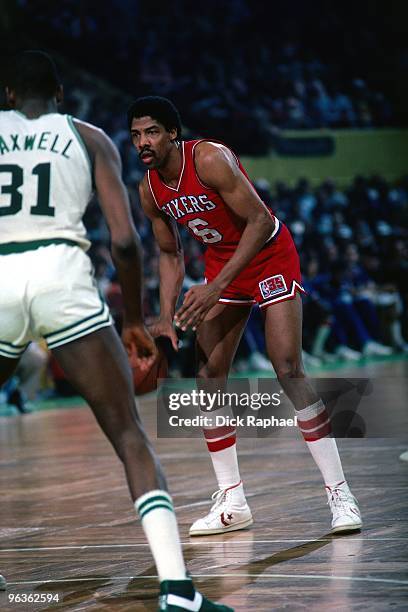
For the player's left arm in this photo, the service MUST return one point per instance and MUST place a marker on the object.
(218, 168)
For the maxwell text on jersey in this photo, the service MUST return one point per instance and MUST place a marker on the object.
(43, 141)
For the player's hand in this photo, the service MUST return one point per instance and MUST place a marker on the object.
(198, 300)
(140, 346)
(164, 327)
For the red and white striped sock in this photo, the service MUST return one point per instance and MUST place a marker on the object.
(221, 442)
(314, 423)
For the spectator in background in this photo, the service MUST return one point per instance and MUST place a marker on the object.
(353, 300)
(307, 87)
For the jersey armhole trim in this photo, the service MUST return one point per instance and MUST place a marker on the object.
(151, 191)
(81, 143)
(194, 164)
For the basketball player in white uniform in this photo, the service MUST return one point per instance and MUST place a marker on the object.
(49, 164)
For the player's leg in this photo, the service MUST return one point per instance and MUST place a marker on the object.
(217, 341)
(97, 366)
(283, 334)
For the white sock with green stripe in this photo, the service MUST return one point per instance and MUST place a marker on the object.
(156, 513)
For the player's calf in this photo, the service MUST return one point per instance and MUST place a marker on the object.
(315, 426)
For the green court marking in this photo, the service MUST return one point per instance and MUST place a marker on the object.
(328, 367)
(51, 404)
(76, 401)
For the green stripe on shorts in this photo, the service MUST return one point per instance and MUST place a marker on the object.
(11, 355)
(80, 332)
(12, 345)
(9, 248)
(69, 327)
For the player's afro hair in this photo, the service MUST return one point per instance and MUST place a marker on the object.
(33, 73)
(161, 109)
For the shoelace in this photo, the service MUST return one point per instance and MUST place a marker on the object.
(339, 499)
(219, 497)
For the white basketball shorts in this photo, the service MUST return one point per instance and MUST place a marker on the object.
(48, 293)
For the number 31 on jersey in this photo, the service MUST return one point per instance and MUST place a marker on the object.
(42, 206)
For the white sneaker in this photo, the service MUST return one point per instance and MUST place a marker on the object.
(348, 354)
(258, 362)
(230, 512)
(343, 504)
(404, 456)
(372, 348)
(3, 584)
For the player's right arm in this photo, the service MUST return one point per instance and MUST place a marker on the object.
(171, 263)
(125, 242)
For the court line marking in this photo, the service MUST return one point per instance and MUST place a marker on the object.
(188, 543)
(235, 575)
(249, 453)
(262, 493)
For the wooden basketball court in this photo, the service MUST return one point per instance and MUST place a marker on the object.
(67, 526)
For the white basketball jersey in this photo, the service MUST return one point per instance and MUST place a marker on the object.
(45, 179)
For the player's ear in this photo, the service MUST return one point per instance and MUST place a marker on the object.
(11, 97)
(59, 94)
(173, 134)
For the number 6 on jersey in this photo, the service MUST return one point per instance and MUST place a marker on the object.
(206, 234)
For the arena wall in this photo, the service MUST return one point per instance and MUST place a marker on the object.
(382, 151)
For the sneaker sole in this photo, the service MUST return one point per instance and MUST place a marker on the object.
(236, 527)
(347, 528)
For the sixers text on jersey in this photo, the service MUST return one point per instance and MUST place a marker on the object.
(199, 207)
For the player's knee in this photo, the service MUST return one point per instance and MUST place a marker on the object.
(289, 368)
(211, 371)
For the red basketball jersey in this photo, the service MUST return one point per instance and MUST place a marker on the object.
(198, 207)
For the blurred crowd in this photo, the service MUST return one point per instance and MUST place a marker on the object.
(236, 69)
(247, 82)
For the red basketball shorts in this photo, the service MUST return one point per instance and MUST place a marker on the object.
(272, 276)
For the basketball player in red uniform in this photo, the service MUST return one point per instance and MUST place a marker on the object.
(250, 259)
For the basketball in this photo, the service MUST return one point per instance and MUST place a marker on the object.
(146, 381)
